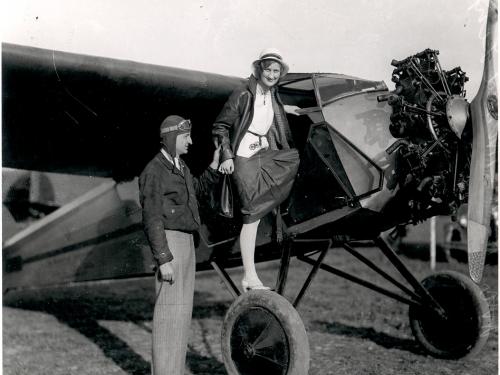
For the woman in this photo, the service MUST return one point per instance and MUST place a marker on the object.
(256, 145)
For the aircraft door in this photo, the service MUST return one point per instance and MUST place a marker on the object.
(335, 171)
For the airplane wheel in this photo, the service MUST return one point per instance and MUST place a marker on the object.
(465, 329)
(262, 333)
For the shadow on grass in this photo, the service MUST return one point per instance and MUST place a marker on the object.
(379, 338)
(82, 312)
(202, 365)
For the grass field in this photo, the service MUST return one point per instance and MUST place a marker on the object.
(105, 327)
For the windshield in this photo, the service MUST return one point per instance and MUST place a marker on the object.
(334, 86)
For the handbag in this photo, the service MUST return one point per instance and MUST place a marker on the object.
(226, 197)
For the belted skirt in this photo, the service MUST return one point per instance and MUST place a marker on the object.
(264, 181)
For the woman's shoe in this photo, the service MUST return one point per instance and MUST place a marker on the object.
(253, 285)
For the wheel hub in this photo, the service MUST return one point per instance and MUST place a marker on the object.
(259, 341)
(249, 351)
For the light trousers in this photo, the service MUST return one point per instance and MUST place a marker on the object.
(173, 308)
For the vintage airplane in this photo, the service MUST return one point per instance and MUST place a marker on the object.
(370, 159)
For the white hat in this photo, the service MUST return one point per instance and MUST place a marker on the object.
(270, 54)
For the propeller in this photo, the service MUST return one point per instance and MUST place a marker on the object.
(484, 115)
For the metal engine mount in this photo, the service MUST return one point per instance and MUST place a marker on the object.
(430, 116)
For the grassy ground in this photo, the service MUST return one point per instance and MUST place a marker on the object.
(105, 328)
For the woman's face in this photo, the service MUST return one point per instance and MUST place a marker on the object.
(270, 74)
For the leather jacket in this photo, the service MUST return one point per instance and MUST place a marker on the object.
(169, 201)
(236, 117)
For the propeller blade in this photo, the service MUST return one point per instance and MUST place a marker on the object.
(484, 114)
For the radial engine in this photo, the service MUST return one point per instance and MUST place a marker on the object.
(430, 118)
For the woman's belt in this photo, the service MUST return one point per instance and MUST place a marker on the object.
(252, 147)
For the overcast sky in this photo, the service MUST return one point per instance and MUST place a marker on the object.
(355, 37)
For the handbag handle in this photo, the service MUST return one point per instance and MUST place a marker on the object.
(226, 198)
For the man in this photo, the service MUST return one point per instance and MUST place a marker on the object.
(170, 216)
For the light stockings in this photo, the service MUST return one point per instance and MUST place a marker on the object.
(248, 236)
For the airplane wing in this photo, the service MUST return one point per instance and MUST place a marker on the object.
(89, 115)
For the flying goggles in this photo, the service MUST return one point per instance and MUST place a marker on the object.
(184, 125)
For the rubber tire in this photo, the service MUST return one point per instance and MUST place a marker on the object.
(465, 303)
(288, 319)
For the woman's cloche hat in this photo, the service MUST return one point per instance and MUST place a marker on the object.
(270, 54)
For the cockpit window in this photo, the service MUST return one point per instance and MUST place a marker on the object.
(333, 87)
(300, 93)
(302, 85)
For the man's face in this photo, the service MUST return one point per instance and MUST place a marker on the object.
(182, 143)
